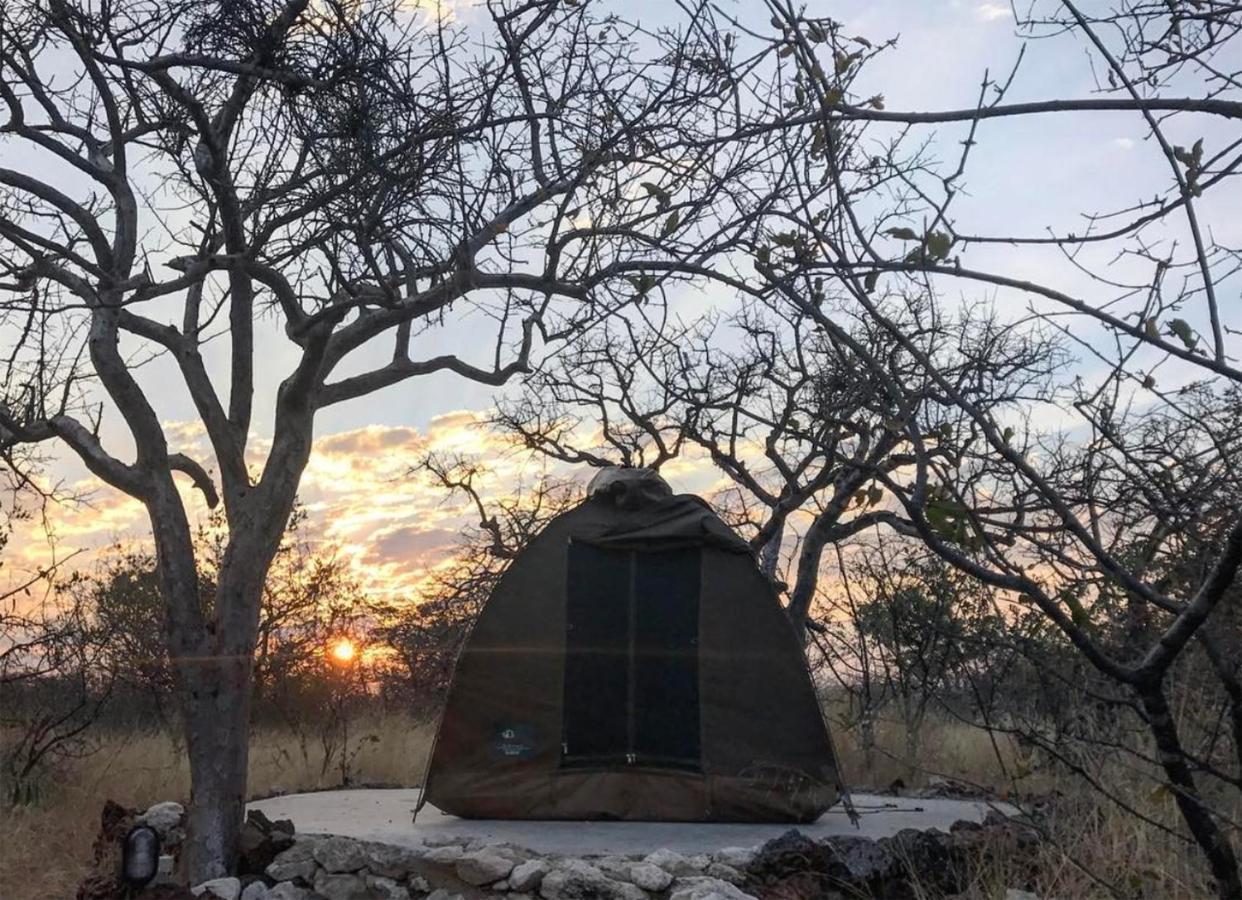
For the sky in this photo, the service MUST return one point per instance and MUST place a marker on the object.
(1027, 175)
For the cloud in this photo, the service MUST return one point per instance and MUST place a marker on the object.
(363, 499)
(1124, 143)
(412, 544)
(994, 12)
(372, 439)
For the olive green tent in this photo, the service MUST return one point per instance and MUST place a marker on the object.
(633, 663)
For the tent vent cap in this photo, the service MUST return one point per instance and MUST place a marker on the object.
(629, 488)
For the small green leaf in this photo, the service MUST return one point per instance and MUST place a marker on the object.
(902, 234)
(785, 51)
(870, 281)
(670, 224)
(661, 195)
(938, 244)
(1152, 328)
(1182, 329)
(1077, 612)
(1007, 435)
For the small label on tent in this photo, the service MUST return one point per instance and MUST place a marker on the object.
(514, 741)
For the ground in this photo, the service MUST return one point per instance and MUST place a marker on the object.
(385, 816)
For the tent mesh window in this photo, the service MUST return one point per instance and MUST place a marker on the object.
(631, 658)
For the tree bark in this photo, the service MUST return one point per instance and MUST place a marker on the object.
(803, 594)
(1198, 816)
(217, 724)
(770, 555)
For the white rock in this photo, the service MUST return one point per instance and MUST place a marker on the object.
(483, 867)
(386, 889)
(420, 884)
(444, 855)
(339, 854)
(725, 873)
(650, 877)
(738, 857)
(613, 866)
(1019, 894)
(256, 890)
(703, 888)
(287, 890)
(676, 864)
(527, 876)
(442, 894)
(341, 886)
(221, 888)
(166, 819)
(512, 851)
(577, 880)
(296, 862)
(392, 862)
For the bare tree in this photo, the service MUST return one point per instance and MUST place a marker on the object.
(791, 416)
(1137, 292)
(425, 636)
(54, 684)
(335, 179)
(907, 632)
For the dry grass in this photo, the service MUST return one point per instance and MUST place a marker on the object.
(946, 750)
(46, 849)
(1094, 848)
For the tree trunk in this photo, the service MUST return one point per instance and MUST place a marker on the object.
(1226, 668)
(803, 594)
(217, 721)
(770, 555)
(1197, 815)
(214, 662)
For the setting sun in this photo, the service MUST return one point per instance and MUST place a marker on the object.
(343, 650)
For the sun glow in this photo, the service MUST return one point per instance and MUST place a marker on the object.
(343, 650)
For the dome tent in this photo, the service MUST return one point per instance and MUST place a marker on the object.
(633, 663)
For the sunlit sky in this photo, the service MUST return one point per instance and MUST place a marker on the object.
(1027, 175)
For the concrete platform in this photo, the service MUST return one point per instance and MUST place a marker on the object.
(385, 816)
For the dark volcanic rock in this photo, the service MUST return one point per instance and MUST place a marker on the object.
(262, 840)
(104, 882)
(907, 865)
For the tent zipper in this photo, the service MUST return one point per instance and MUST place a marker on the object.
(631, 754)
